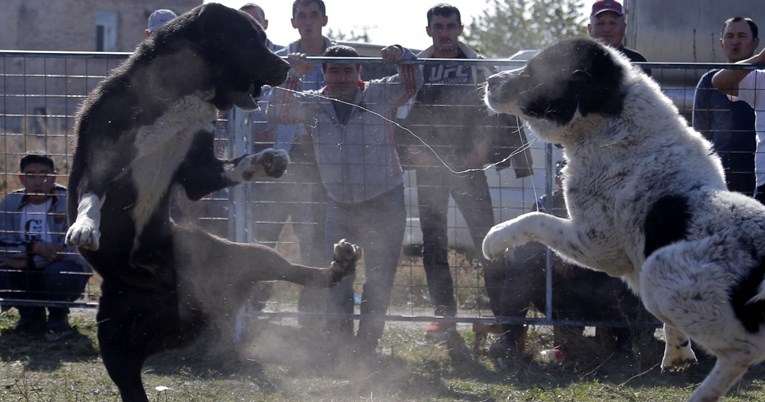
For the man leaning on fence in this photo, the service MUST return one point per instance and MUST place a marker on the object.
(34, 262)
(361, 172)
(298, 196)
(728, 121)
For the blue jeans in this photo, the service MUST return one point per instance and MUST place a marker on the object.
(378, 227)
(62, 280)
(58, 281)
(471, 194)
(299, 195)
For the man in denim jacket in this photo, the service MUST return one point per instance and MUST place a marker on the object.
(34, 262)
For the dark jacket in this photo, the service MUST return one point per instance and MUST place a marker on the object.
(13, 244)
(448, 117)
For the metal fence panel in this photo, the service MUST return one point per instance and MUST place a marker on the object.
(41, 91)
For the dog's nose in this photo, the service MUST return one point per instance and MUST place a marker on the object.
(493, 82)
(280, 72)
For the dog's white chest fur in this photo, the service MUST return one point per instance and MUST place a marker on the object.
(161, 147)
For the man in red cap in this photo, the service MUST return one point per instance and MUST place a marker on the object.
(607, 24)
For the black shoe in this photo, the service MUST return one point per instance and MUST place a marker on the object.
(504, 355)
(32, 319)
(58, 324)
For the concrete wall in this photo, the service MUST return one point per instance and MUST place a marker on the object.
(71, 24)
(685, 30)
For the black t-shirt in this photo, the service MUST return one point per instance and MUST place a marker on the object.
(449, 113)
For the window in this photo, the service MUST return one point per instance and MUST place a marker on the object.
(106, 31)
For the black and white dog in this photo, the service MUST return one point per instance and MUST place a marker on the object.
(144, 129)
(647, 202)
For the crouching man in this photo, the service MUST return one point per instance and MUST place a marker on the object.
(34, 262)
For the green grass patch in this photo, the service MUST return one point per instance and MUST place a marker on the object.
(284, 364)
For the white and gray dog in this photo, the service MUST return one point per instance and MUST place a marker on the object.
(647, 202)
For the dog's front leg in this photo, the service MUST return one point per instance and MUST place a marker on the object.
(677, 350)
(569, 239)
(266, 163)
(84, 232)
(534, 226)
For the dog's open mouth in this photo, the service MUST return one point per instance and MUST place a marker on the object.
(255, 91)
(247, 100)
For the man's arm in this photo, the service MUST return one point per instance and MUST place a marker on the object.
(727, 80)
(409, 75)
(286, 105)
(11, 244)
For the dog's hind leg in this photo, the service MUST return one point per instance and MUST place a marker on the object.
(124, 368)
(211, 266)
(131, 324)
(727, 370)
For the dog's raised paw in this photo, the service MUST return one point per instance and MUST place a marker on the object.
(273, 161)
(344, 260)
(493, 246)
(83, 236)
(346, 253)
(268, 162)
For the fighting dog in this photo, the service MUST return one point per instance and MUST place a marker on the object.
(647, 202)
(144, 129)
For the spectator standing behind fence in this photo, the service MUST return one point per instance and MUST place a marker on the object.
(34, 262)
(608, 25)
(729, 122)
(449, 116)
(263, 130)
(298, 195)
(749, 86)
(361, 172)
(157, 19)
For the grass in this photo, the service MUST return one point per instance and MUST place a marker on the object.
(284, 365)
(290, 368)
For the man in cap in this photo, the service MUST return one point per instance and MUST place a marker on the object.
(607, 24)
(157, 19)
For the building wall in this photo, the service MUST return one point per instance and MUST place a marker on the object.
(40, 93)
(684, 30)
(71, 24)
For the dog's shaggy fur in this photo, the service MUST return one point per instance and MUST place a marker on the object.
(144, 129)
(647, 203)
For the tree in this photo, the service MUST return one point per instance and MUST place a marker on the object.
(340, 36)
(508, 26)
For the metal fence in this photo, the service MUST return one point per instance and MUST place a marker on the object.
(41, 91)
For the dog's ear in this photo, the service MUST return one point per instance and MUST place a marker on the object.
(601, 85)
(212, 19)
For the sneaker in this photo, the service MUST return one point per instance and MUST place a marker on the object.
(53, 336)
(58, 321)
(32, 319)
(439, 329)
(500, 349)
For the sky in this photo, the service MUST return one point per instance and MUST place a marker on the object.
(387, 21)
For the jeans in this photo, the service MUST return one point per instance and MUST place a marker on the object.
(62, 280)
(299, 195)
(471, 193)
(377, 226)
